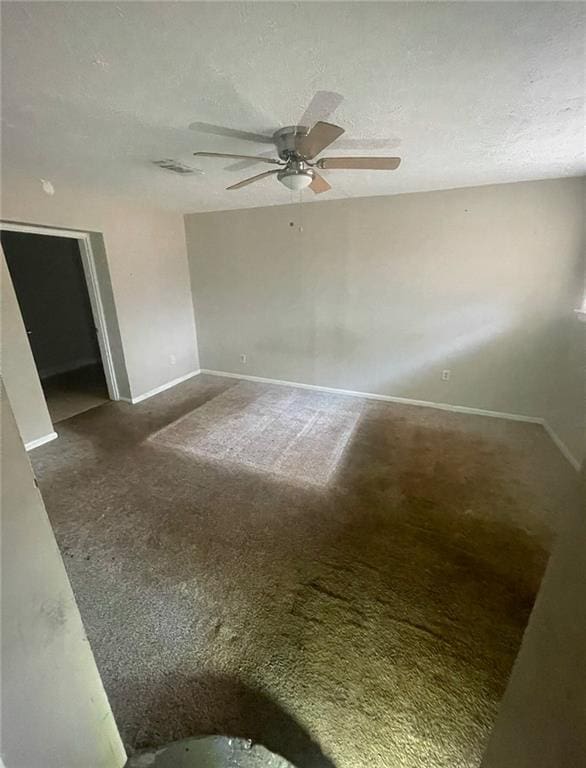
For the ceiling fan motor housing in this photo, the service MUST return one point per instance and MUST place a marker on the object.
(286, 140)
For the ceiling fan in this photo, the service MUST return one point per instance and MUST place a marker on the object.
(297, 148)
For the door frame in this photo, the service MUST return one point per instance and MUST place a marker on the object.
(93, 287)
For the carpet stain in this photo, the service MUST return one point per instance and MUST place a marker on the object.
(367, 617)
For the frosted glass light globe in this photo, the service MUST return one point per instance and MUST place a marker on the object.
(296, 181)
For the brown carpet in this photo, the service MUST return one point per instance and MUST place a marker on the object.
(346, 581)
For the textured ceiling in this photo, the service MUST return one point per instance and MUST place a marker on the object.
(467, 93)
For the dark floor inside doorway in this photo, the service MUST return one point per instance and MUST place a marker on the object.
(74, 392)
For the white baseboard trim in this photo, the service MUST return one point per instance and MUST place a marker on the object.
(564, 450)
(385, 398)
(40, 441)
(162, 388)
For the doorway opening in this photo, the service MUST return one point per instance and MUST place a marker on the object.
(54, 279)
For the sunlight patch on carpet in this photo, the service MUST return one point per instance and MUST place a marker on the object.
(294, 434)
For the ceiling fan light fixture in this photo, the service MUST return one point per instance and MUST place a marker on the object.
(295, 180)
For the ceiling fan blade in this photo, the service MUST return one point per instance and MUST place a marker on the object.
(252, 179)
(232, 133)
(257, 159)
(321, 107)
(360, 163)
(242, 165)
(319, 184)
(318, 138)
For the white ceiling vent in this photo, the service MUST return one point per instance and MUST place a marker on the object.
(175, 166)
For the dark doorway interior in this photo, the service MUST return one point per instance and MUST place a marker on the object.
(52, 293)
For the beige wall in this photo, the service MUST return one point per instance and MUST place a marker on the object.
(55, 713)
(147, 264)
(380, 294)
(566, 405)
(542, 718)
(18, 367)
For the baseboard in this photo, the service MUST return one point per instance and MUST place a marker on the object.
(162, 388)
(40, 441)
(564, 450)
(385, 398)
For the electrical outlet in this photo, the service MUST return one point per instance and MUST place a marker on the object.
(446, 373)
(243, 359)
(172, 359)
